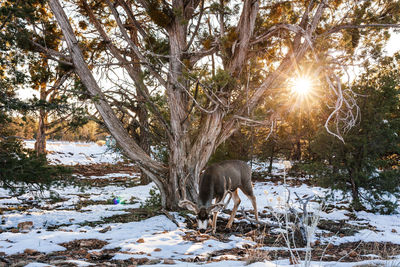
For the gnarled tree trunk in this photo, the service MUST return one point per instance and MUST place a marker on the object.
(189, 149)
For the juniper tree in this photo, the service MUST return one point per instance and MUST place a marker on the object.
(211, 62)
(366, 164)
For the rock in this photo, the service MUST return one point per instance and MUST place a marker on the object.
(353, 254)
(157, 249)
(104, 230)
(29, 251)
(86, 243)
(141, 261)
(96, 253)
(168, 261)
(25, 226)
(14, 230)
(343, 253)
(140, 240)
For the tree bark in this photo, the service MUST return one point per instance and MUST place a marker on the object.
(271, 158)
(40, 144)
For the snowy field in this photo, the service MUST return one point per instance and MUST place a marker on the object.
(32, 225)
(72, 153)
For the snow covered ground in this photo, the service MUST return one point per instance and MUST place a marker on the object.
(72, 153)
(158, 238)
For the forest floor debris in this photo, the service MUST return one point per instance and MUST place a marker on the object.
(109, 222)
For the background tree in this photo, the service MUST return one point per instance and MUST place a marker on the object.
(212, 63)
(366, 164)
(32, 40)
(22, 169)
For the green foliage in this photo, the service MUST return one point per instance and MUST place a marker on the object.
(363, 164)
(22, 170)
(153, 202)
(24, 65)
(159, 13)
(238, 146)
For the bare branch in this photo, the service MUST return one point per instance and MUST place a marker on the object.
(275, 29)
(133, 45)
(132, 73)
(196, 56)
(352, 26)
(53, 54)
(130, 147)
(197, 27)
(266, 224)
(129, 12)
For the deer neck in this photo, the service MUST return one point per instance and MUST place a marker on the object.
(206, 191)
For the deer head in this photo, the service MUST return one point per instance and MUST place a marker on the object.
(203, 213)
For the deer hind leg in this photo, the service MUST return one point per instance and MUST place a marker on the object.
(236, 202)
(254, 203)
(248, 191)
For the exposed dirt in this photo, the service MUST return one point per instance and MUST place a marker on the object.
(130, 174)
(91, 250)
(133, 215)
(104, 169)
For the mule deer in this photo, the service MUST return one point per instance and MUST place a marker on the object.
(217, 181)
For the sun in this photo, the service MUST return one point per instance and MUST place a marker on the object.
(303, 91)
(302, 86)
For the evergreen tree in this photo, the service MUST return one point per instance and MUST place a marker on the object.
(27, 33)
(22, 169)
(367, 162)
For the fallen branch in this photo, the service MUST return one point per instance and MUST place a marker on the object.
(259, 222)
(170, 216)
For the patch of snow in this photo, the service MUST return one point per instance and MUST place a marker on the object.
(38, 264)
(72, 153)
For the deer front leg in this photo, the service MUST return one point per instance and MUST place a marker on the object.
(214, 222)
(236, 202)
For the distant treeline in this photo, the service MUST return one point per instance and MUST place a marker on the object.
(27, 127)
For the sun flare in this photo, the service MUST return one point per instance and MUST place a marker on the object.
(301, 86)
